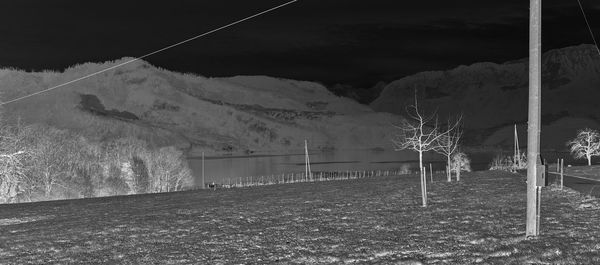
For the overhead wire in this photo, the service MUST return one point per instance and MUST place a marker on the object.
(588, 26)
(148, 54)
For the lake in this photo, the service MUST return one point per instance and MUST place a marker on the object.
(220, 169)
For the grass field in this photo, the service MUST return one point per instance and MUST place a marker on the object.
(589, 172)
(366, 221)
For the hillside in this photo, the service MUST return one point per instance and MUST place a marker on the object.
(237, 115)
(493, 96)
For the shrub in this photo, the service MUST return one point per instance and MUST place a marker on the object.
(84, 181)
(460, 162)
(141, 180)
(501, 162)
(508, 163)
(114, 184)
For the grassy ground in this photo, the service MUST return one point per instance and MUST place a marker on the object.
(366, 221)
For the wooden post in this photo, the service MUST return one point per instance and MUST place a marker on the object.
(424, 187)
(458, 168)
(431, 172)
(424, 201)
(562, 170)
(202, 183)
(533, 124)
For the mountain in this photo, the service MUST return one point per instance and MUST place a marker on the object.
(361, 95)
(493, 96)
(236, 115)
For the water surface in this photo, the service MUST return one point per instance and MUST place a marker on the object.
(221, 169)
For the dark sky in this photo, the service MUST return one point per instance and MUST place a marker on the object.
(354, 42)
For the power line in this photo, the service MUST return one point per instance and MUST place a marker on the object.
(149, 54)
(588, 26)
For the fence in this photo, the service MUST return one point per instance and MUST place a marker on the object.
(314, 176)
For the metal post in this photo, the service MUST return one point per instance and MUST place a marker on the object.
(533, 126)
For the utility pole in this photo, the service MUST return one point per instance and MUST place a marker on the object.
(534, 124)
(308, 172)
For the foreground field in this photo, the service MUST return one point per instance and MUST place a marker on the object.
(377, 220)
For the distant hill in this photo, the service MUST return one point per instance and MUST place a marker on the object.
(361, 95)
(495, 96)
(237, 115)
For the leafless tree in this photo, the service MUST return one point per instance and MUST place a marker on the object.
(420, 133)
(12, 177)
(132, 156)
(585, 145)
(449, 143)
(51, 158)
(169, 170)
(13, 155)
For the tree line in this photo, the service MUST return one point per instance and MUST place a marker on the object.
(40, 162)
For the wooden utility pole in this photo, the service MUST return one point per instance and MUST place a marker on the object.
(307, 170)
(534, 124)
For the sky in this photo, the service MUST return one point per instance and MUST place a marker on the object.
(330, 41)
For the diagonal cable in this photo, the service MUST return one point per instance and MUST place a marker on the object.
(148, 54)
(588, 26)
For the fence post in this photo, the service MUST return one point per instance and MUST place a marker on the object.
(424, 186)
(562, 170)
(431, 172)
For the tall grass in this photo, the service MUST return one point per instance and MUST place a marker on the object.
(508, 162)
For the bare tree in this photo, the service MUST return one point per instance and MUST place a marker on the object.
(169, 170)
(12, 177)
(132, 156)
(449, 142)
(51, 158)
(421, 134)
(585, 145)
(14, 182)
